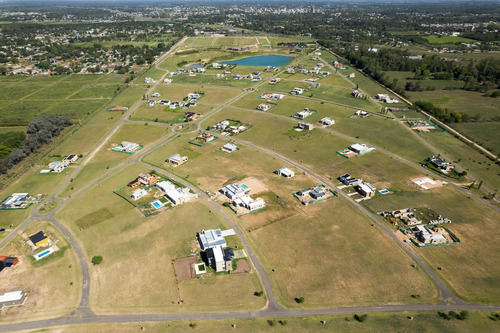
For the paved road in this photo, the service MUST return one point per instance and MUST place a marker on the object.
(268, 313)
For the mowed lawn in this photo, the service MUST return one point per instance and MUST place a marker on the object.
(469, 268)
(52, 284)
(335, 256)
(126, 239)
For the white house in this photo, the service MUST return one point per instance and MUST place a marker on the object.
(249, 203)
(177, 196)
(128, 146)
(151, 102)
(165, 186)
(211, 238)
(229, 148)
(366, 190)
(285, 172)
(327, 121)
(155, 95)
(12, 298)
(138, 194)
(235, 191)
(359, 148)
(264, 107)
(297, 91)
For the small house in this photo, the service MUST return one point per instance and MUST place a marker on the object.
(140, 193)
(211, 238)
(234, 191)
(229, 148)
(285, 172)
(155, 95)
(327, 121)
(12, 298)
(165, 186)
(366, 190)
(71, 158)
(151, 102)
(177, 159)
(219, 258)
(359, 148)
(264, 107)
(39, 239)
(305, 126)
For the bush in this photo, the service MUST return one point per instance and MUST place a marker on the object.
(96, 260)
(271, 322)
(444, 315)
(360, 318)
(193, 325)
(299, 300)
(258, 293)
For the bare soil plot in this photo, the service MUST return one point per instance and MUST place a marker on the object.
(241, 267)
(184, 268)
(256, 186)
(426, 183)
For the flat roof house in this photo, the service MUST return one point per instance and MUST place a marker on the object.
(16, 200)
(285, 172)
(72, 158)
(264, 107)
(140, 193)
(39, 239)
(128, 146)
(177, 159)
(366, 190)
(235, 191)
(306, 126)
(229, 148)
(12, 298)
(438, 162)
(327, 121)
(249, 203)
(177, 196)
(165, 186)
(359, 148)
(211, 238)
(220, 258)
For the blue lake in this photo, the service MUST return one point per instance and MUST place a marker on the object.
(266, 60)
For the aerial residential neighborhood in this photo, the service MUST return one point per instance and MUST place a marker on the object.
(249, 166)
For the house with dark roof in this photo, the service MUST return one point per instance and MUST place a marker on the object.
(39, 239)
(438, 162)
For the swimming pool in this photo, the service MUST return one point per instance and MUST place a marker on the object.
(265, 60)
(243, 186)
(384, 191)
(157, 204)
(43, 254)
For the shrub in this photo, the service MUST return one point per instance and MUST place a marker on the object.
(360, 318)
(299, 300)
(96, 260)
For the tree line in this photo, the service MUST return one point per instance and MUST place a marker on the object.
(40, 131)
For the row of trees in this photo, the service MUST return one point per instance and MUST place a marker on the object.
(40, 131)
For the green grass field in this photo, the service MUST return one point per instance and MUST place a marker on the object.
(448, 39)
(76, 96)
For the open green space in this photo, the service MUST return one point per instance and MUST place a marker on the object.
(448, 39)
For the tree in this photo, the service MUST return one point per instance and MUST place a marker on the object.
(299, 300)
(360, 318)
(96, 260)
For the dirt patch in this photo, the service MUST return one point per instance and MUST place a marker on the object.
(184, 268)
(255, 185)
(241, 267)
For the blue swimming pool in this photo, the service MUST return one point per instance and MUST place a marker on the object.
(43, 253)
(266, 60)
(384, 191)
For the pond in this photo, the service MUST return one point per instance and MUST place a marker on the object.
(265, 60)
